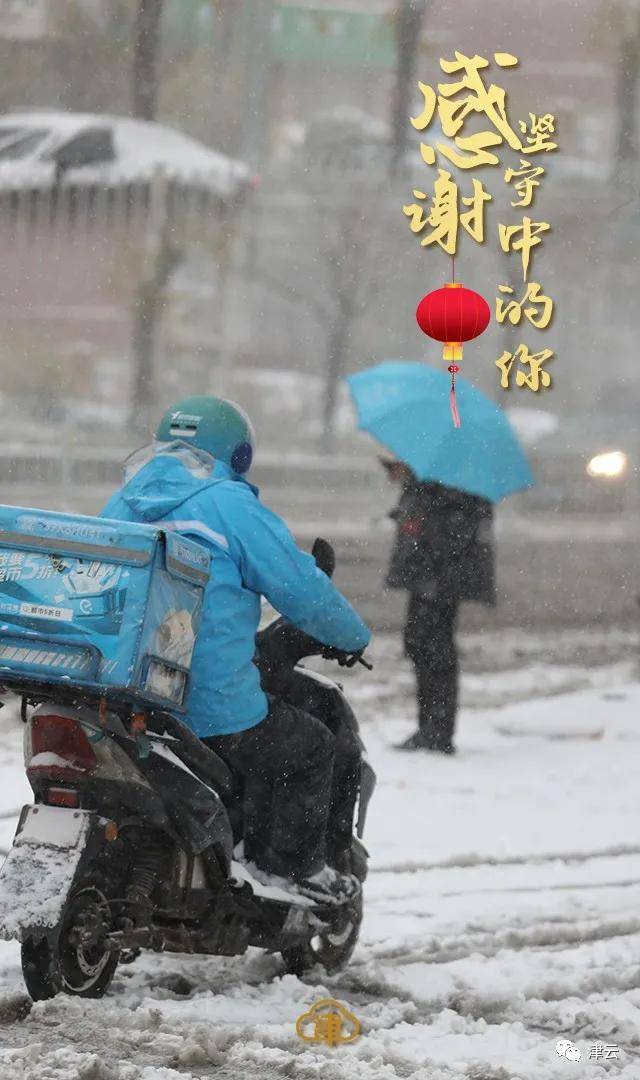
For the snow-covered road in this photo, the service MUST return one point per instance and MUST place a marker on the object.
(503, 905)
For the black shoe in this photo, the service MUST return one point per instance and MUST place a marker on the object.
(420, 741)
(417, 741)
(444, 748)
(327, 886)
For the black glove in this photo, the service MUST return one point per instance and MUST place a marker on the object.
(345, 659)
(282, 645)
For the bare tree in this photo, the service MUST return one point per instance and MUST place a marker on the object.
(349, 280)
(628, 79)
(615, 33)
(230, 63)
(158, 259)
(83, 65)
(146, 44)
(343, 280)
(150, 300)
(409, 20)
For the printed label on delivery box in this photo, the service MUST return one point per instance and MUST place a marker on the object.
(43, 611)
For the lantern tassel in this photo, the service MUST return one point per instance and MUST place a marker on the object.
(454, 406)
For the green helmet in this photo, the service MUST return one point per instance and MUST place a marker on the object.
(219, 427)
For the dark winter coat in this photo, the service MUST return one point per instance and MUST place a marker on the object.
(444, 544)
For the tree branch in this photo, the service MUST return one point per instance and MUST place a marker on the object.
(145, 58)
(290, 293)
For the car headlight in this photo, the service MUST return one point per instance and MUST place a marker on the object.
(609, 465)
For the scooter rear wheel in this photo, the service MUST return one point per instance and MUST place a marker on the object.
(77, 962)
(332, 949)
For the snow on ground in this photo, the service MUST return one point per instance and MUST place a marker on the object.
(503, 905)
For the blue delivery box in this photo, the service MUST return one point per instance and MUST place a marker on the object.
(108, 607)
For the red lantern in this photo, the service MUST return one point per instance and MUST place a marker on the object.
(453, 315)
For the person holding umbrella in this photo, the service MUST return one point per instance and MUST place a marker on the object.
(444, 554)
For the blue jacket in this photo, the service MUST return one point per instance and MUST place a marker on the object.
(253, 555)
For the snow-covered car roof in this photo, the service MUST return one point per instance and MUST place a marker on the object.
(140, 148)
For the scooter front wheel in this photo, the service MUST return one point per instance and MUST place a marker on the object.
(78, 961)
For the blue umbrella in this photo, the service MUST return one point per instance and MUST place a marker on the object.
(405, 406)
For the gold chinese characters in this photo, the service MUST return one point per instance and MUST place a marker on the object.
(441, 217)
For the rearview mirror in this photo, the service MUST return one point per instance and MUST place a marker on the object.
(324, 555)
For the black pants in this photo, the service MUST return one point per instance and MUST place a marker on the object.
(299, 689)
(430, 644)
(287, 763)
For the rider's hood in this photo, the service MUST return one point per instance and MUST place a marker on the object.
(162, 476)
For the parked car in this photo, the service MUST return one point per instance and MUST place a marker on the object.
(45, 146)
